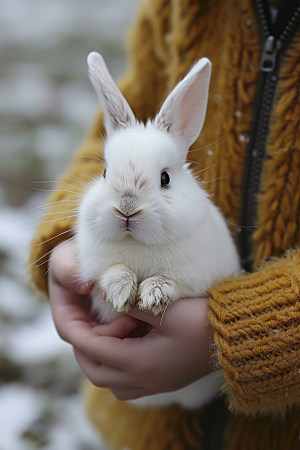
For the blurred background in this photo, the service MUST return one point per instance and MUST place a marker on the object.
(46, 107)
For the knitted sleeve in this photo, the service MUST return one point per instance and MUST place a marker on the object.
(256, 321)
(144, 86)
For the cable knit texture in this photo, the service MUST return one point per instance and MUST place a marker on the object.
(253, 336)
(256, 316)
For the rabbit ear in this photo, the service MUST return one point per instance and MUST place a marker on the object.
(183, 112)
(117, 112)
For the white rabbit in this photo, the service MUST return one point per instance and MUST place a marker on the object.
(147, 232)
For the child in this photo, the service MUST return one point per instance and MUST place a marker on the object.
(254, 177)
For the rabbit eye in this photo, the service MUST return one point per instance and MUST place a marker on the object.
(164, 179)
(104, 173)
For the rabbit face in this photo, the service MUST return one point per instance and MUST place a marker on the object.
(148, 192)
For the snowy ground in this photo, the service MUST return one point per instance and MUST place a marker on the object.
(46, 105)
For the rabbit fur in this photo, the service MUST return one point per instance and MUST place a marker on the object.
(147, 232)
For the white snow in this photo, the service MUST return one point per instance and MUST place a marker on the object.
(37, 342)
(19, 407)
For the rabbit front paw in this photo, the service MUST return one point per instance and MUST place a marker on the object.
(155, 294)
(120, 285)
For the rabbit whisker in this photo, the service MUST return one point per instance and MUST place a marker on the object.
(51, 190)
(59, 218)
(240, 226)
(79, 180)
(205, 146)
(49, 214)
(203, 170)
(100, 154)
(57, 182)
(57, 203)
(203, 183)
(54, 237)
(163, 314)
(91, 157)
(100, 132)
(184, 161)
(46, 254)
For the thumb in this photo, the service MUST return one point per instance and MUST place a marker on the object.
(65, 268)
(121, 327)
(147, 317)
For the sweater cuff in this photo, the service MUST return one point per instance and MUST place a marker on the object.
(256, 321)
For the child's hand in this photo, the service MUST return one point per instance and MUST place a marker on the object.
(173, 354)
(69, 297)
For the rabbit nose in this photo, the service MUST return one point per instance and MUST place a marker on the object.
(128, 205)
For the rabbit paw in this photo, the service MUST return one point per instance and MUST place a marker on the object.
(155, 294)
(120, 285)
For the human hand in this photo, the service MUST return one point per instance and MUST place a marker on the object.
(173, 354)
(69, 298)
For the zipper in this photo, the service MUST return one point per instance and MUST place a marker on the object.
(269, 54)
(274, 46)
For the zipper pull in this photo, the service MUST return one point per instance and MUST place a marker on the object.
(269, 54)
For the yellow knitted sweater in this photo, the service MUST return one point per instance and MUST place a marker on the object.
(256, 317)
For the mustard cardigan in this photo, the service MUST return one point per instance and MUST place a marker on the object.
(256, 317)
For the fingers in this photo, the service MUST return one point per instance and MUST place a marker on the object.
(68, 304)
(68, 309)
(101, 375)
(72, 317)
(107, 350)
(170, 322)
(130, 393)
(148, 318)
(102, 343)
(121, 327)
(121, 384)
(65, 270)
